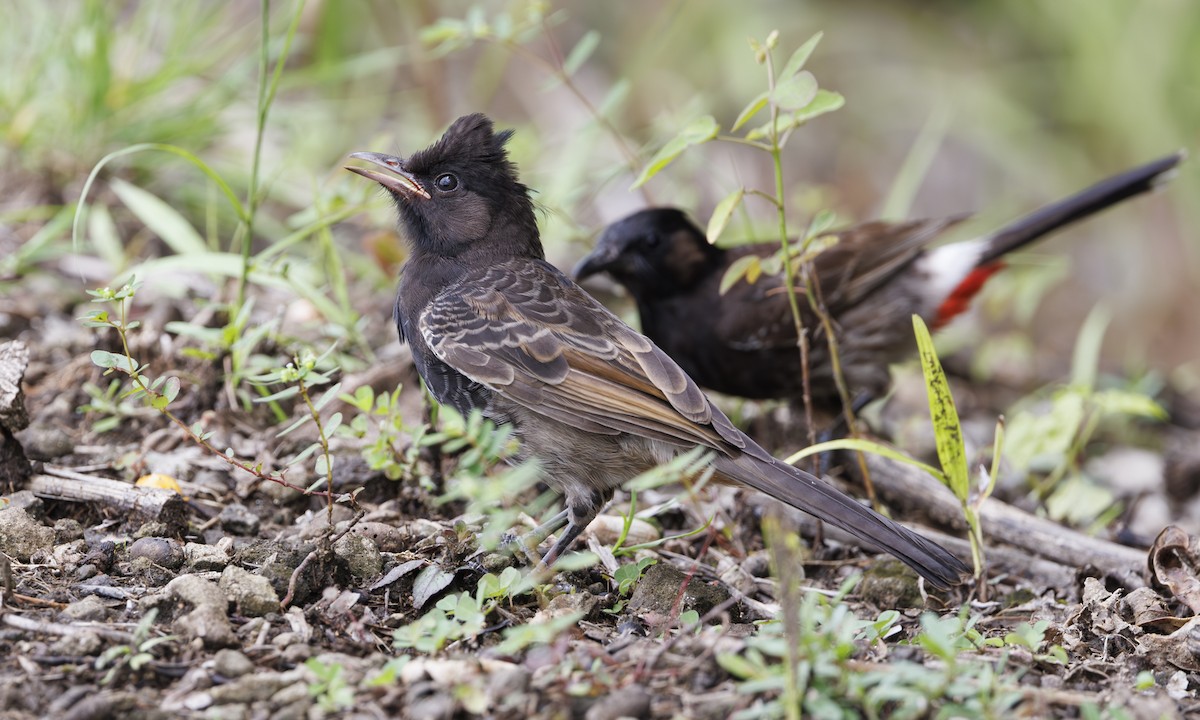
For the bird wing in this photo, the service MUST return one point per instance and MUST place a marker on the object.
(528, 333)
(864, 257)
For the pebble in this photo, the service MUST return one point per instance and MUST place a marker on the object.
(158, 550)
(251, 593)
(239, 520)
(88, 608)
(231, 663)
(207, 624)
(632, 701)
(67, 530)
(361, 556)
(46, 442)
(21, 536)
(205, 557)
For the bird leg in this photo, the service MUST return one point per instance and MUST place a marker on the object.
(526, 544)
(574, 529)
(579, 514)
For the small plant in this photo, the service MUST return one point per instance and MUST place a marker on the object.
(835, 680)
(134, 656)
(158, 393)
(464, 615)
(951, 450)
(792, 99)
(330, 690)
(112, 407)
(301, 376)
(629, 574)
(626, 578)
(1048, 437)
(1031, 638)
(393, 446)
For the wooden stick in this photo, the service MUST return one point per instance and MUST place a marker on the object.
(907, 488)
(164, 506)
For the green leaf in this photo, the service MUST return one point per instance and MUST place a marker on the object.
(722, 212)
(333, 423)
(616, 96)
(821, 223)
(287, 392)
(752, 108)
(699, 131)
(305, 453)
(795, 92)
(798, 58)
(748, 266)
(327, 396)
(164, 220)
(104, 236)
(105, 359)
(738, 666)
(581, 52)
(824, 101)
(1086, 358)
(171, 389)
(442, 31)
(1125, 402)
(947, 432)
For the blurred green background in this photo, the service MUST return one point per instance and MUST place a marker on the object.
(1012, 104)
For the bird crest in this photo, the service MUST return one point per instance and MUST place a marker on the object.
(470, 141)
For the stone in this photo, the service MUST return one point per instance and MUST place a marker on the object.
(658, 590)
(239, 520)
(252, 594)
(231, 663)
(361, 556)
(158, 550)
(21, 536)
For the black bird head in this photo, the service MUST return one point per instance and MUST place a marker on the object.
(460, 192)
(657, 251)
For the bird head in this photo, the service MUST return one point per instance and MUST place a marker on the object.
(657, 251)
(461, 192)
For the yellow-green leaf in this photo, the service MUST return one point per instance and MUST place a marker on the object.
(795, 92)
(947, 431)
(742, 267)
(700, 130)
(721, 214)
(581, 52)
(796, 62)
(752, 108)
(824, 101)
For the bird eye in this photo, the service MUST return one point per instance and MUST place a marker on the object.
(446, 182)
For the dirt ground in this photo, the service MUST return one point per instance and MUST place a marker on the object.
(231, 596)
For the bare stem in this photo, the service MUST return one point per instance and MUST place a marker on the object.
(786, 248)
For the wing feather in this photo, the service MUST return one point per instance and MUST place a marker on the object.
(528, 333)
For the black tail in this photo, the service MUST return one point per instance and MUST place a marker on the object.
(1080, 205)
(805, 492)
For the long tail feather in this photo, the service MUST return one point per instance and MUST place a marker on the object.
(1080, 205)
(805, 492)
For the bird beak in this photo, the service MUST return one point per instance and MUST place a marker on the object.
(399, 180)
(597, 261)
